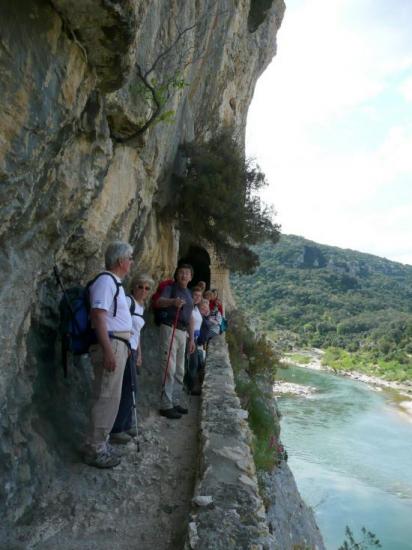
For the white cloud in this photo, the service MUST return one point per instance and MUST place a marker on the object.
(341, 198)
(326, 69)
(406, 89)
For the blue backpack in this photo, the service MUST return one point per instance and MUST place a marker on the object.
(76, 332)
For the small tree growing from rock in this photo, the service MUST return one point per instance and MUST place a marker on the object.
(217, 201)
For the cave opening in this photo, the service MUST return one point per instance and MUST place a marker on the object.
(198, 257)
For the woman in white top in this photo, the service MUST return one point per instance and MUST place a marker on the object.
(192, 374)
(122, 430)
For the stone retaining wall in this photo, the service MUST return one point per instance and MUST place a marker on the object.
(228, 511)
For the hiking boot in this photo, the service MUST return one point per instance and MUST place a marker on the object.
(120, 438)
(116, 450)
(170, 413)
(132, 432)
(102, 459)
(181, 410)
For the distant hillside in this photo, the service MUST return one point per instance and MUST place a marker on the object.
(308, 294)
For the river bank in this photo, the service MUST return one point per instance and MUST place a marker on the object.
(312, 359)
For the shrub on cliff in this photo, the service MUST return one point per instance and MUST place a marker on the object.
(217, 201)
(254, 364)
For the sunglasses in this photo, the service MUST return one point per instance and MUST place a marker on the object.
(142, 287)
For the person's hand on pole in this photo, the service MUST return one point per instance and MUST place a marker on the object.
(178, 302)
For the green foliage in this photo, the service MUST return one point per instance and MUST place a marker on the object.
(261, 357)
(299, 358)
(257, 13)
(262, 422)
(322, 296)
(155, 95)
(251, 353)
(264, 456)
(217, 201)
(368, 363)
(254, 364)
(368, 540)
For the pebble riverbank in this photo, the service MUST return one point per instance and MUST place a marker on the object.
(404, 402)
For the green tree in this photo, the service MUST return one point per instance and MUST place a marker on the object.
(217, 201)
(368, 540)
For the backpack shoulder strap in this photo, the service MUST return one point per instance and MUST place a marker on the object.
(133, 307)
(132, 304)
(116, 282)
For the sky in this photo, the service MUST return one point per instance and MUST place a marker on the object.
(330, 124)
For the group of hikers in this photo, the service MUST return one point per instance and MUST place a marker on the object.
(188, 318)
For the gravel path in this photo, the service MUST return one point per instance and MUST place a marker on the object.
(141, 504)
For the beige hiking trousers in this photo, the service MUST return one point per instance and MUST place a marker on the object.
(106, 393)
(172, 393)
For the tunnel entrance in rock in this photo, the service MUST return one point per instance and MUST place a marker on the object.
(199, 258)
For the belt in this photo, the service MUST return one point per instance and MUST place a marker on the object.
(121, 336)
(183, 328)
(125, 334)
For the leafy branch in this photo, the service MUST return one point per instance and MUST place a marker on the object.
(369, 540)
(172, 61)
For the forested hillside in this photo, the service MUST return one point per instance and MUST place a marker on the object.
(356, 305)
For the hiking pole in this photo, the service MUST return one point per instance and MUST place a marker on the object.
(170, 349)
(188, 373)
(69, 305)
(134, 397)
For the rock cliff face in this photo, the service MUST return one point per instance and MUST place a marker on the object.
(77, 171)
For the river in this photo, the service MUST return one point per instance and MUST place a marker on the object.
(350, 451)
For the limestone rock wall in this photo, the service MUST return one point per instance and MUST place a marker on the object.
(75, 174)
(290, 520)
(220, 279)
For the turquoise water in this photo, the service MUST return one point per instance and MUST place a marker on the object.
(351, 454)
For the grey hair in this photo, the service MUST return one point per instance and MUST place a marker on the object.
(141, 278)
(117, 250)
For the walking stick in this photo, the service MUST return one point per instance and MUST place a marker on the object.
(134, 397)
(170, 349)
(69, 305)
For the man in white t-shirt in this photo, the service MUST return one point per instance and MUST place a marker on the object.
(112, 322)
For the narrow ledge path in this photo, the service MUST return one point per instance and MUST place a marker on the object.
(143, 504)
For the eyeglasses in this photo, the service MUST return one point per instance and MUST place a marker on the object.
(142, 287)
